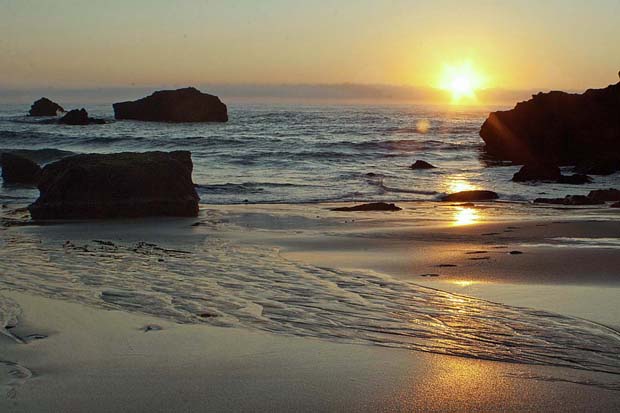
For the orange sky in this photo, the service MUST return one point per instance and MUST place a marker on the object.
(515, 45)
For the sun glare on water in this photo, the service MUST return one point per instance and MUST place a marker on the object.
(462, 81)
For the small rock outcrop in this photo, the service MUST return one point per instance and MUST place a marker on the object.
(374, 206)
(79, 117)
(117, 185)
(598, 166)
(471, 196)
(569, 200)
(537, 172)
(616, 205)
(45, 107)
(557, 127)
(575, 179)
(181, 105)
(422, 165)
(605, 194)
(19, 170)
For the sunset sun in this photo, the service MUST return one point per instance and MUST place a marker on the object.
(461, 81)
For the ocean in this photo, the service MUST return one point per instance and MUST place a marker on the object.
(294, 153)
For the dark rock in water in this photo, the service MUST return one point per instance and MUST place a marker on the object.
(39, 155)
(45, 107)
(557, 127)
(181, 105)
(470, 196)
(422, 165)
(616, 205)
(19, 170)
(575, 179)
(605, 195)
(537, 172)
(598, 166)
(375, 206)
(569, 200)
(117, 185)
(79, 117)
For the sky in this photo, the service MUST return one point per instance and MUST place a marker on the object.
(513, 45)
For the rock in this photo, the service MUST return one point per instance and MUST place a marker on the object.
(470, 196)
(598, 166)
(117, 185)
(557, 127)
(569, 200)
(45, 107)
(374, 206)
(39, 156)
(422, 165)
(79, 117)
(605, 195)
(616, 205)
(181, 105)
(537, 172)
(19, 170)
(575, 179)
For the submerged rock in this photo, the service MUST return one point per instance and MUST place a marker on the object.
(117, 185)
(471, 196)
(181, 105)
(616, 205)
(45, 107)
(19, 170)
(575, 179)
(605, 194)
(569, 200)
(598, 166)
(537, 172)
(79, 117)
(558, 127)
(374, 206)
(422, 165)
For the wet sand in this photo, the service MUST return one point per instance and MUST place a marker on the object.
(88, 357)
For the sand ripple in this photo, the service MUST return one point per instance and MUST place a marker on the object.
(228, 285)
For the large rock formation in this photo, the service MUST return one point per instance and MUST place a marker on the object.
(19, 170)
(45, 107)
(181, 105)
(117, 185)
(557, 127)
(79, 117)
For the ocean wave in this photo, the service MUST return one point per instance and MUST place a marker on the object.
(260, 290)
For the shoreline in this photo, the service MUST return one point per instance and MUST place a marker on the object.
(175, 367)
(311, 235)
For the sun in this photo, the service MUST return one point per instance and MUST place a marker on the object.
(461, 80)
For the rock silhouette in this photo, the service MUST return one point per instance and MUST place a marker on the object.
(19, 170)
(557, 127)
(79, 117)
(181, 105)
(422, 165)
(117, 185)
(470, 196)
(45, 107)
(374, 206)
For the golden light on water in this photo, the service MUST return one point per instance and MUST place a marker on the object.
(459, 185)
(422, 126)
(462, 81)
(464, 283)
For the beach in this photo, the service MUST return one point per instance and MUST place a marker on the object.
(104, 320)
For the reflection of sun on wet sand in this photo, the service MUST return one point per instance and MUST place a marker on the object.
(342, 277)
